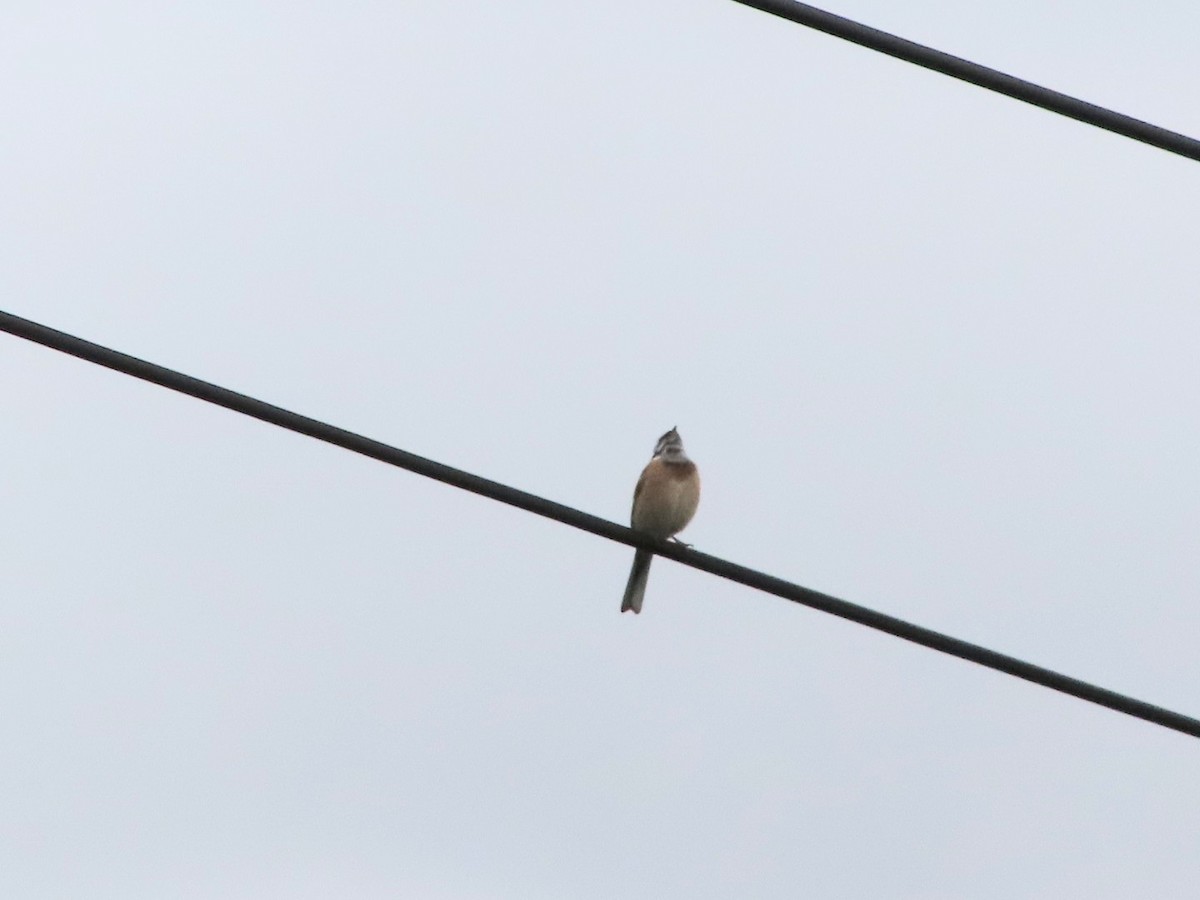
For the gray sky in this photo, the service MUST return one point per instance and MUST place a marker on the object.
(933, 350)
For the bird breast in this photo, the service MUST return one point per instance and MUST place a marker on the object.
(666, 498)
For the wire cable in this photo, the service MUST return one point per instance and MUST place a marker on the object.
(203, 390)
(991, 79)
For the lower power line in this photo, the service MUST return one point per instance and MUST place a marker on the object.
(203, 390)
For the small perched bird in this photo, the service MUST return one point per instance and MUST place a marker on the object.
(664, 501)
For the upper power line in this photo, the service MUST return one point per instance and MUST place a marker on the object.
(275, 415)
(993, 80)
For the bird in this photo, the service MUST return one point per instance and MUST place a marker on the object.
(664, 501)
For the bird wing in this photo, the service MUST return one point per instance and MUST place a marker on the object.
(637, 491)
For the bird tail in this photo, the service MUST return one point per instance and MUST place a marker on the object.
(635, 590)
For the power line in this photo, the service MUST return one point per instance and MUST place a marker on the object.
(991, 79)
(176, 381)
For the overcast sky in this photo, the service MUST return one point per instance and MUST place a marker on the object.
(933, 350)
